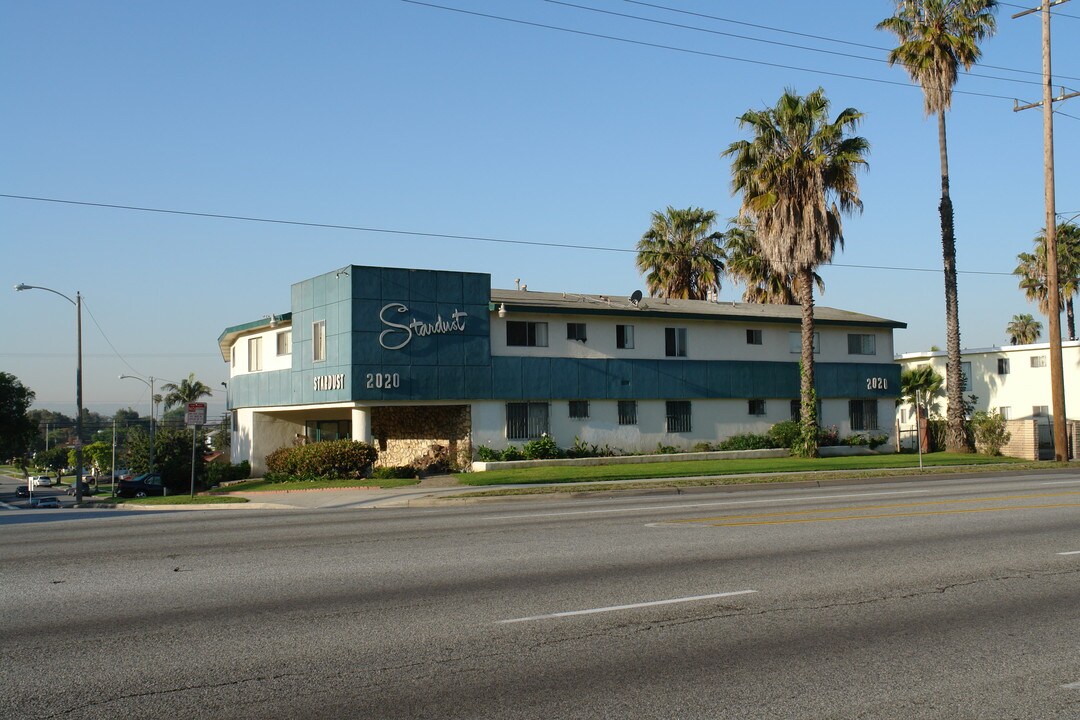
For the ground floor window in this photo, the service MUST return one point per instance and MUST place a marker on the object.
(579, 409)
(755, 406)
(525, 420)
(323, 430)
(863, 414)
(678, 416)
(796, 410)
(628, 412)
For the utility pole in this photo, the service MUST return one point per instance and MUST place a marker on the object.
(1057, 372)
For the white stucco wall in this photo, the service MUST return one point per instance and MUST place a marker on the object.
(706, 340)
(1021, 389)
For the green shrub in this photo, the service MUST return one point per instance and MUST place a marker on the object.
(990, 432)
(581, 449)
(486, 454)
(543, 448)
(391, 472)
(877, 440)
(662, 449)
(857, 440)
(828, 436)
(217, 473)
(784, 434)
(512, 452)
(330, 460)
(703, 447)
(746, 441)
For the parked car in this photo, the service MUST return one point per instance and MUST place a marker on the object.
(86, 490)
(41, 481)
(142, 486)
(45, 502)
(22, 491)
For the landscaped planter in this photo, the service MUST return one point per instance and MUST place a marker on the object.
(831, 451)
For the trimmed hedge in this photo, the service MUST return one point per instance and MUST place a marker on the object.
(322, 460)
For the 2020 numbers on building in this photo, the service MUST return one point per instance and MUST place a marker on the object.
(877, 383)
(382, 381)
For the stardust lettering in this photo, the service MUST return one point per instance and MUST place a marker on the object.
(404, 332)
(329, 382)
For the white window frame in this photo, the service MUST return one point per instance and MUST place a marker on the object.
(794, 341)
(255, 354)
(284, 340)
(318, 341)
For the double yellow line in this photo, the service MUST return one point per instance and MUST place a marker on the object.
(859, 512)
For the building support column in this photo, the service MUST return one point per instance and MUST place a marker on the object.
(361, 424)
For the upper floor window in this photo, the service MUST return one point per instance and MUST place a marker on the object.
(254, 354)
(1006, 412)
(1040, 410)
(753, 337)
(624, 337)
(232, 356)
(1038, 361)
(1003, 366)
(575, 331)
(522, 333)
(284, 342)
(675, 342)
(861, 344)
(965, 376)
(318, 341)
(794, 341)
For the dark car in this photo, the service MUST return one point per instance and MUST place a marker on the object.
(45, 502)
(86, 489)
(22, 491)
(142, 486)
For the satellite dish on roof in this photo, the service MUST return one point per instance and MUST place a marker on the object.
(635, 297)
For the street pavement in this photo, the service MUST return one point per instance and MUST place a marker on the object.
(940, 598)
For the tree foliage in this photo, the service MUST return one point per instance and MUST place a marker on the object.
(1023, 330)
(681, 255)
(172, 454)
(1031, 269)
(17, 429)
(936, 37)
(747, 266)
(186, 391)
(797, 176)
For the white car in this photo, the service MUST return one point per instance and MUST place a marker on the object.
(41, 481)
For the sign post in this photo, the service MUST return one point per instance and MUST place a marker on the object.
(195, 416)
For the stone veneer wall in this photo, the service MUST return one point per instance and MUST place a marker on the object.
(405, 435)
(1024, 442)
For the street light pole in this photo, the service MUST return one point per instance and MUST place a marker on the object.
(153, 412)
(77, 302)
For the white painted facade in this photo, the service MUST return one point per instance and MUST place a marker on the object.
(1013, 379)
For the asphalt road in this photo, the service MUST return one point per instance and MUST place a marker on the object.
(931, 599)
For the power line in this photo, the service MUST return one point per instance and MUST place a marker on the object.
(762, 40)
(815, 37)
(1027, 7)
(688, 51)
(357, 228)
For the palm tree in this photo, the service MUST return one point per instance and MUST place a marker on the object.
(187, 391)
(746, 265)
(936, 38)
(796, 177)
(918, 386)
(681, 254)
(1032, 272)
(1023, 330)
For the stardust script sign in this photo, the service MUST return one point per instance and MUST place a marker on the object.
(398, 334)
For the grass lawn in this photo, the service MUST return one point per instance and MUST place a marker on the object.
(174, 500)
(265, 485)
(695, 468)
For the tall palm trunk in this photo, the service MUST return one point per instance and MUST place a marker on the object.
(1070, 319)
(808, 402)
(956, 437)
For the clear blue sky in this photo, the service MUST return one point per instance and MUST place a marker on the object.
(390, 115)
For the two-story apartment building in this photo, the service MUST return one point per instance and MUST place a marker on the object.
(407, 359)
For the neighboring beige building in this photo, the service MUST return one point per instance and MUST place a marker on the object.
(1015, 381)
